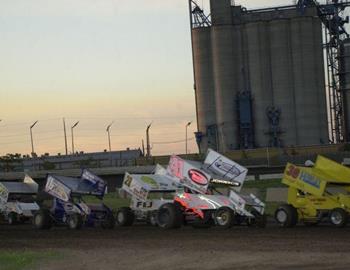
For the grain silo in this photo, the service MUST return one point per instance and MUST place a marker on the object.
(344, 55)
(260, 76)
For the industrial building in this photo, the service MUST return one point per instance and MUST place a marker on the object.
(270, 77)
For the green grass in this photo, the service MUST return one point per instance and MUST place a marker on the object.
(18, 260)
(112, 200)
(262, 186)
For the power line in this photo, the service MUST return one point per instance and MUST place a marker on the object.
(27, 123)
(173, 142)
(134, 117)
(26, 134)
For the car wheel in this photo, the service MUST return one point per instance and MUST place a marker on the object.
(169, 216)
(286, 216)
(224, 217)
(12, 218)
(125, 217)
(338, 217)
(75, 221)
(42, 220)
(109, 222)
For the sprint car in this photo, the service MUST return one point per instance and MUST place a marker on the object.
(17, 200)
(148, 193)
(203, 202)
(187, 194)
(68, 206)
(316, 194)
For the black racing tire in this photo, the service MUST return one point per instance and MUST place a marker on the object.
(224, 217)
(205, 222)
(42, 220)
(239, 220)
(75, 221)
(338, 217)
(125, 217)
(12, 218)
(169, 216)
(259, 220)
(286, 216)
(109, 222)
(152, 219)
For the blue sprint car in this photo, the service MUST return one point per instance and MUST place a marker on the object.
(68, 206)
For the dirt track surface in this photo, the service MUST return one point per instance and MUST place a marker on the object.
(142, 247)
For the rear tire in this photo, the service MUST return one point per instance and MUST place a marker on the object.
(259, 220)
(152, 219)
(338, 217)
(224, 217)
(12, 218)
(109, 222)
(125, 217)
(286, 216)
(205, 222)
(42, 220)
(75, 222)
(169, 216)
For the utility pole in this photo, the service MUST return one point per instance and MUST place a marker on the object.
(187, 125)
(72, 128)
(143, 147)
(108, 129)
(65, 136)
(148, 141)
(31, 136)
(109, 135)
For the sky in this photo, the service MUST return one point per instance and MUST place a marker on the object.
(97, 62)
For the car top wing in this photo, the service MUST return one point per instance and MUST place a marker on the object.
(28, 186)
(92, 182)
(140, 186)
(188, 175)
(57, 189)
(220, 167)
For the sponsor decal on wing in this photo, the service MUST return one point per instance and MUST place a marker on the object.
(57, 189)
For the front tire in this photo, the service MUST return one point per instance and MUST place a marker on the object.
(169, 216)
(42, 220)
(224, 217)
(12, 218)
(286, 216)
(125, 217)
(338, 217)
(75, 222)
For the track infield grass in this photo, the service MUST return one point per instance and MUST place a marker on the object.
(25, 260)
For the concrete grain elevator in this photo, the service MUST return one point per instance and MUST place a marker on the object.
(263, 77)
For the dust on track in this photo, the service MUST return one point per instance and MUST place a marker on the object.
(144, 247)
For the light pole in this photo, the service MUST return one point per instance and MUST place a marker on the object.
(72, 128)
(65, 136)
(148, 141)
(31, 136)
(187, 125)
(108, 129)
